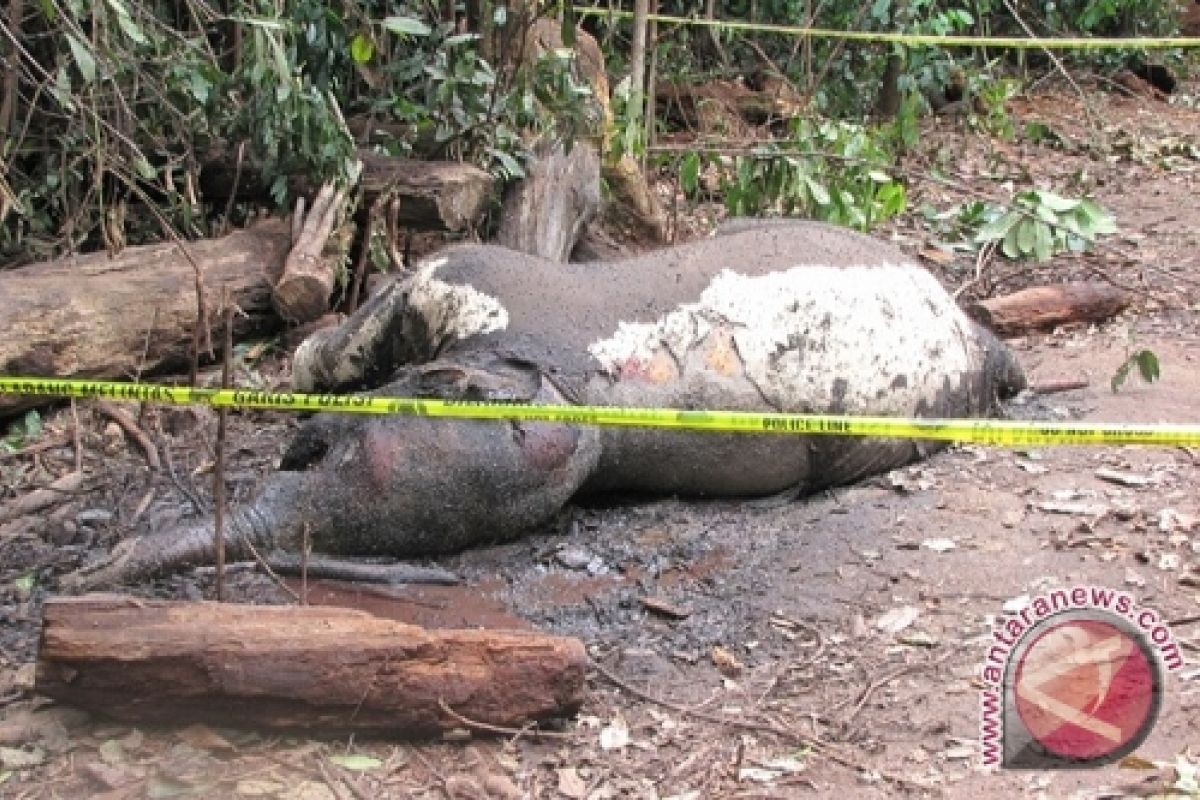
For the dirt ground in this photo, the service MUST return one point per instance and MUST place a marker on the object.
(840, 637)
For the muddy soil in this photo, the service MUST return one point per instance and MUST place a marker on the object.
(830, 645)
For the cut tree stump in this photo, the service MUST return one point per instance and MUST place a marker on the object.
(303, 289)
(545, 213)
(96, 316)
(1043, 307)
(298, 667)
(433, 195)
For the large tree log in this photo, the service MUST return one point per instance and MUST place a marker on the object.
(433, 195)
(298, 667)
(1043, 307)
(96, 316)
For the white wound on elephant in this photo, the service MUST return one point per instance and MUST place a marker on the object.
(817, 338)
(454, 310)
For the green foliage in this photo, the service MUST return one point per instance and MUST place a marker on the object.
(989, 112)
(1147, 365)
(118, 102)
(21, 431)
(1040, 224)
(832, 171)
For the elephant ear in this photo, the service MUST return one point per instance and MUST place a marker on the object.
(498, 379)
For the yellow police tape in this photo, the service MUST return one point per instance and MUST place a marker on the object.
(989, 432)
(914, 39)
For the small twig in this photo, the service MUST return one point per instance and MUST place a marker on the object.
(982, 259)
(1087, 107)
(219, 462)
(237, 180)
(76, 436)
(305, 554)
(137, 375)
(35, 448)
(1060, 385)
(815, 745)
(197, 504)
(40, 499)
(876, 685)
(833, 55)
(266, 568)
(716, 719)
(528, 730)
(130, 426)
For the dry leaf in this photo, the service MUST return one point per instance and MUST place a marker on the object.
(615, 735)
(570, 784)
(725, 661)
(897, 619)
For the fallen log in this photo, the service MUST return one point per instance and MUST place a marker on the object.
(298, 667)
(1044, 307)
(96, 316)
(686, 102)
(433, 195)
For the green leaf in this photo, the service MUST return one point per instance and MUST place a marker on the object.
(200, 87)
(1148, 365)
(1100, 220)
(689, 173)
(460, 38)
(144, 168)
(1027, 236)
(1011, 246)
(509, 164)
(1045, 214)
(362, 49)
(83, 58)
(820, 194)
(406, 26)
(1043, 243)
(998, 228)
(131, 29)
(357, 762)
(1056, 203)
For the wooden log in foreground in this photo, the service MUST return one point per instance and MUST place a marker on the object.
(1046, 306)
(298, 667)
(96, 316)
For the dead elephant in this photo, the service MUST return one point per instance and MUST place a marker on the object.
(801, 317)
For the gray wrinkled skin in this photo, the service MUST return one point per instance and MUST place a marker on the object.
(662, 329)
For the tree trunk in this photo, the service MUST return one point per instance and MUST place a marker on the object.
(1046, 306)
(546, 212)
(97, 316)
(887, 104)
(298, 667)
(433, 195)
(637, 63)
